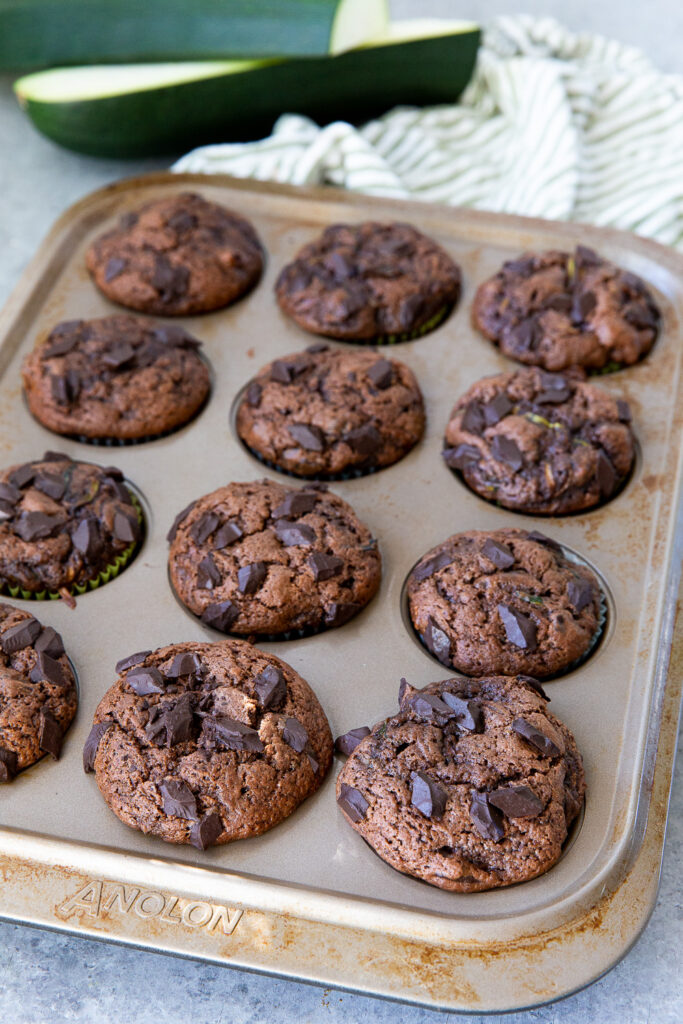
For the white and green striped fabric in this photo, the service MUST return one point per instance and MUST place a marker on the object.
(553, 124)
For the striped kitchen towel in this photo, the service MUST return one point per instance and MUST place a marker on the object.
(553, 124)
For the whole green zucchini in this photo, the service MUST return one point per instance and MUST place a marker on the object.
(139, 110)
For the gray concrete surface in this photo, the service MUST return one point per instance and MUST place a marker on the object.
(46, 977)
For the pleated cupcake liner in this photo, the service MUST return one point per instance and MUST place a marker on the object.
(396, 339)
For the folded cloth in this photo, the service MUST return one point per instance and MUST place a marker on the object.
(553, 124)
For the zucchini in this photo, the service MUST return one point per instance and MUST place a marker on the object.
(41, 33)
(141, 110)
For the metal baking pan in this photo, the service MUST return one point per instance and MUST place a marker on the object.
(309, 900)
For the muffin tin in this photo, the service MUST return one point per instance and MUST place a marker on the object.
(309, 899)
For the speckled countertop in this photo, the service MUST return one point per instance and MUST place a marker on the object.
(47, 977)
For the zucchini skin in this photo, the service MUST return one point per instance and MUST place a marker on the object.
(353, 86)
(47, 33)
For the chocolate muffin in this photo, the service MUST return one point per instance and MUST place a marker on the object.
(504, 602)
(329, 412)
(369, 282)
(64, 525)
(472, 785)
(206, 743)
(118, 378)
(559, 309)
(541, 443)
(265, 560)
(176, 256)
(38, 697)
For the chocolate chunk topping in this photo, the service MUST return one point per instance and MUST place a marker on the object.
(431, 708)
(49, 733)
(296, 504)
(49, 642)
(226, 535)
(36, 526)
(552, 396)
(519, 628)
(50, 484)
(381, 374)
(114, 267)
(270, 687)
(170, 281)
(179, 800)
(60, 345)
(606, 475)
(123, 528)
(253, 395)
(352, 802)
(365, 440)
(324, 566)
(208, 574)
(284, 371)
(132, 659)
(427, 796)
(145, 680)
(535, 737)
(204, 527)
(535, 685)
(182, 221)
(426, 569)
(170, 536)
(559, 301)
(580, 594)
(187, 663)
(295, 735)
(340, 612)
(86, 539)
(522, 267)
(499, 554)
(291, 534)
(527, 334)
(473, 418)
(318, 346)
(8, 764)
(505, 450)
(9, 494)
(624, 411)
(206, 831)
(118, 355)
(92, 743)
(496, 409)
(50, 669)
(50, 456)
(251, 577)
(24, 634)
(221, 615)
(437, 642)
(22, 476)
(226, 732)
(460, 456)
(347, 743)
(582, 307)
(585, 257)
(541, 538)
(487, 820)
(175, 720)
(308, 436)
(467, 712)
(516, 801)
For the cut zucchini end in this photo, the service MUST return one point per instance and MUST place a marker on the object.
(357, 22)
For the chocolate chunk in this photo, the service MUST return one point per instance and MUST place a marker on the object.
(283, 371)
(582, 306)
(187, 663)
(6, 511)
(522, 267)
(553, 396)
(294, 734)
(427, 796)
(503, 449)
(499, 554)
(437, 642)
(318, 346)
(182, 221)
(9, 494)
(291, 534)
(123, 528)
(170, 536)
(296, 503)
(340, 612)
(92, 743)
(86, 539)
(559, 301)
(270, 687)
(535, 737)
(233, 735)
(431, 708)
(176, 337)
(347, 743)
(324, 566)
(24, 634)
(204, 527)
(208, 573)
(206, 831)
(580, 593)
(254, 392)
(49, 733)
(118, 355)
(403, 689)
(487, 820)
(170, 281)
(221, 615)
(50, 484)
(36, 526)
(519, 628)
(352, 802)
(132, 659)
(59, 389)
(226, 535)
(179, 800)
(496, 409)
(467, 712)
(62, 344)
(585, 257)
(8, 764)
(22, 476)
(50, 456)
(365, 440)
(461, 456)
(250, 577)
(624, 411)
(427, 568)
(527, 335)
(307, 436)
(473, 418)
(535, 685)
(313, 763)
(409, 310)
(606, 475)
(114, 267)
(49, 642)
(516, 801)
(541, 538)
(177, 721)
(49, 668)
(145, 680)
(381, 374)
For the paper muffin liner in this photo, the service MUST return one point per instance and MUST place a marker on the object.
(395, 339)
(353, 473)
(110, 572)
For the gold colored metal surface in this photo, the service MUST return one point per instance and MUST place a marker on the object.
(309, 899)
